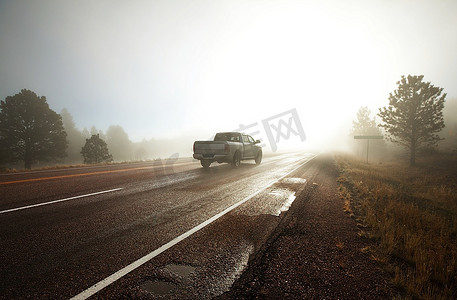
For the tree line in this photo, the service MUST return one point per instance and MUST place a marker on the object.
(31, 132)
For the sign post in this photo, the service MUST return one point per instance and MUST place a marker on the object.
(368, 138)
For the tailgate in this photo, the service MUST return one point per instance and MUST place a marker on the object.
(209, 147)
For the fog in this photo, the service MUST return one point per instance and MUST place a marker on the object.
(153, 76)
(449, 133)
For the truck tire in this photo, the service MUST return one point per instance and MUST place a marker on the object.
(258, 158)
(236, 160)
(205, 163)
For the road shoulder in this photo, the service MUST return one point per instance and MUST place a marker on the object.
(316, 252)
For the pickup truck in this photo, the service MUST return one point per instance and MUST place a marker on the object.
(228, 147)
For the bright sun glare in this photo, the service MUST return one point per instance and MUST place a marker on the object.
(292, 58)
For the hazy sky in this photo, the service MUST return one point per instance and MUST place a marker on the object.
(174, 68)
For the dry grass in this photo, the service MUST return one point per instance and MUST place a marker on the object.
(412, 213)
(346, 196)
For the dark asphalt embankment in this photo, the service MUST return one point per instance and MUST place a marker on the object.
(315, 253)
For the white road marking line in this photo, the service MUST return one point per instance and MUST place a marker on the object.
(121, 273)
(57, 201)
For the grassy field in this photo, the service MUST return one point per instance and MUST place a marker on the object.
(411, 213)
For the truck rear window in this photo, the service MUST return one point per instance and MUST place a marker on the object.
(227, 136)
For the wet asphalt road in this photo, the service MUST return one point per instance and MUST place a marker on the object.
(98, 220)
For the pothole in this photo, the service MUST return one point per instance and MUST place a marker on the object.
(159, 287)
(181, 270)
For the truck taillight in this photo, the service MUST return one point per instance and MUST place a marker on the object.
(227, 148)
(194, 148)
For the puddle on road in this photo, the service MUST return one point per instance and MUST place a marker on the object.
(273, 202)
(276, 193)
(181, 270)
(294, 180)
(285, 198)
(287, 204)
(159, 287)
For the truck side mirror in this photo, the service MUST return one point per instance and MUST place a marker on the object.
(257, 142)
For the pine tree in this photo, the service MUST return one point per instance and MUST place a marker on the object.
(96, 151)
(30, 131)
(365, 125)
(414, 115)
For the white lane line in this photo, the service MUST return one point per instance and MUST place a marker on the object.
(57, 201)
(121, 273)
